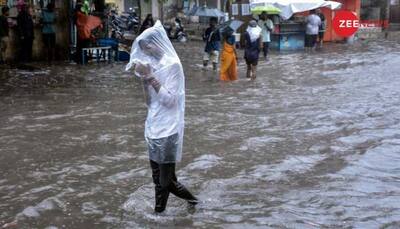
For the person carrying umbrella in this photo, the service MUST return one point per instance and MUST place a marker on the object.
(212, 38)
(267, 27)
(252, 49)
(228, 70)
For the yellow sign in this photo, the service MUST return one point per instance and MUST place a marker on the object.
(3, 2)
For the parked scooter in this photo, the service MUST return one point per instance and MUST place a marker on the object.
(131, 21)
(123, 26)
(179, 33)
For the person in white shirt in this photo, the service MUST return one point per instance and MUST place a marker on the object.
(155, 61)
(267, 27)
(312, 29)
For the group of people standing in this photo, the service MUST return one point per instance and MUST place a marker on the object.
(25, 31)
(256, 39)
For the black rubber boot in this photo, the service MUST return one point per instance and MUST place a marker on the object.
(161, 194)
(180, 191)
(248, 74)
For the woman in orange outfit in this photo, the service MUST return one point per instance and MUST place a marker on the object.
(228, 57)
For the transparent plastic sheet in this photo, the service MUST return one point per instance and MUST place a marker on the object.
(165, 117)
(254, 32)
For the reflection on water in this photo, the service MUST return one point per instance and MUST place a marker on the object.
(313, 142)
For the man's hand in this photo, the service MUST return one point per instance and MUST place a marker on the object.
(152, 81)
(142, 69)
(156, 85)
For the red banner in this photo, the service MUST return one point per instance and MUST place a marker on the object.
(374, 23)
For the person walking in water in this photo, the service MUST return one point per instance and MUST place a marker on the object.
(212, 38)
(312, 29)
(155, 61)
(267, 27)
(228, 57)
(252, 49)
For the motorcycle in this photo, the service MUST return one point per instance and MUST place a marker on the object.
(131, 21)
(179, 33)
(124, 25)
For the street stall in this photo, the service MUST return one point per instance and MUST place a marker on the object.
(289, 33)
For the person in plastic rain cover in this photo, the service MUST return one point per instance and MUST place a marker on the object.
(156, 63)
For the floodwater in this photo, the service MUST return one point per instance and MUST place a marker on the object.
(314, 142)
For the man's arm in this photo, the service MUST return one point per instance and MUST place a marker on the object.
(147, 98)
(205, 35)
(270, 25)
(168, 92)
(144, 71)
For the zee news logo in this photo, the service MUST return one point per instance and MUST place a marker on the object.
(345, 23)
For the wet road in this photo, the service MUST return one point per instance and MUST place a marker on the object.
(314, 142)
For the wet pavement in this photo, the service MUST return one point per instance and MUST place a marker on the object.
(314, 142)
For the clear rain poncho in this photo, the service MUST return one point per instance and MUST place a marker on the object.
(165, 118)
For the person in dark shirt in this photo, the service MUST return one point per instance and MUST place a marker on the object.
(322, 27)
(147, 23)
(25, 33)
(213, 42)
(3, 33)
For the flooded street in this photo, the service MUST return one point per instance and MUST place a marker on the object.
(314, 142)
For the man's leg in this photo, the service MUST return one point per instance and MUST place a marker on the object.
(206, 57)
(161, 193)
(29, 49)
(214, 58)
(53, 47)
(321, 39)
(253, 71)
(265, 49)
(314, 42)
(179, 189)
(21, 50)
(2, 50)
